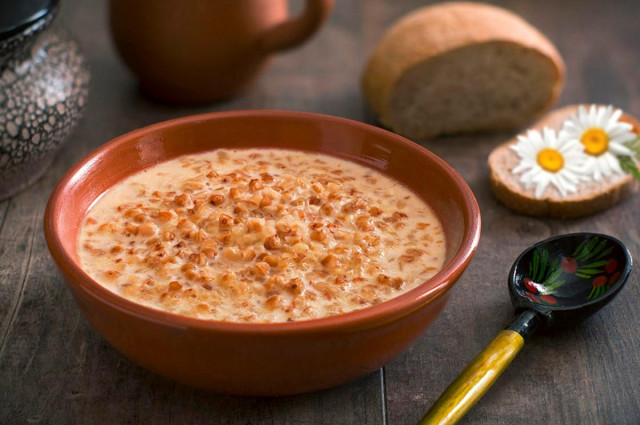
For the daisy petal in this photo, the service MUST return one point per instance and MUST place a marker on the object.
(604, 165)
(582, 116)
(624, 138)
(623, 127)
(557, 183)
(542, 185)
(612, 122)
(520, 168)
(619, 149)
(614, 164)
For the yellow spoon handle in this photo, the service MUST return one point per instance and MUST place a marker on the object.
(475, 379)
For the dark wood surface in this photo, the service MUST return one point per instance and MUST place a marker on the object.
(55, 369)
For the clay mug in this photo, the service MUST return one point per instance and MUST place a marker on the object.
(200, 51)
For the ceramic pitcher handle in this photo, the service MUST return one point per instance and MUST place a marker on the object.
(475, 379)
(293, 32)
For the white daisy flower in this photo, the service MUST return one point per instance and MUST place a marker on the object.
(546, 158)
(603, 138)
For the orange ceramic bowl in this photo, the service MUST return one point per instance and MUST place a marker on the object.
(272, 358)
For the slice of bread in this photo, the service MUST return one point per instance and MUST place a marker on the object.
(591, 196)
(461, 67)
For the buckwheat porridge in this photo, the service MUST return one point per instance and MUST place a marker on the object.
(260, 235)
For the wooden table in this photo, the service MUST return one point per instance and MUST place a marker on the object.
(55, 369)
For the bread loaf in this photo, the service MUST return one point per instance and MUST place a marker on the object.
(591, 196)
(461, 67)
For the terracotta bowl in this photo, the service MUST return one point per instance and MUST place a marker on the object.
(274, 358)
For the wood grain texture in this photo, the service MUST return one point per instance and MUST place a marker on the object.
(20, 225)
(54, 369)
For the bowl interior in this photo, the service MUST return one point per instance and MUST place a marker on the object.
(426, 174)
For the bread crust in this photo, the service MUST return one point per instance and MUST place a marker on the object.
(591, 198)
(435, 30)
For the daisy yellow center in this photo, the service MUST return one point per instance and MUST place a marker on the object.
(595, 141)
(550, 159)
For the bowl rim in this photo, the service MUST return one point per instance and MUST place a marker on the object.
(398, 306)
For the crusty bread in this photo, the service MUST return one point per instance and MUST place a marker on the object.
(590, 198)
(461, 67)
